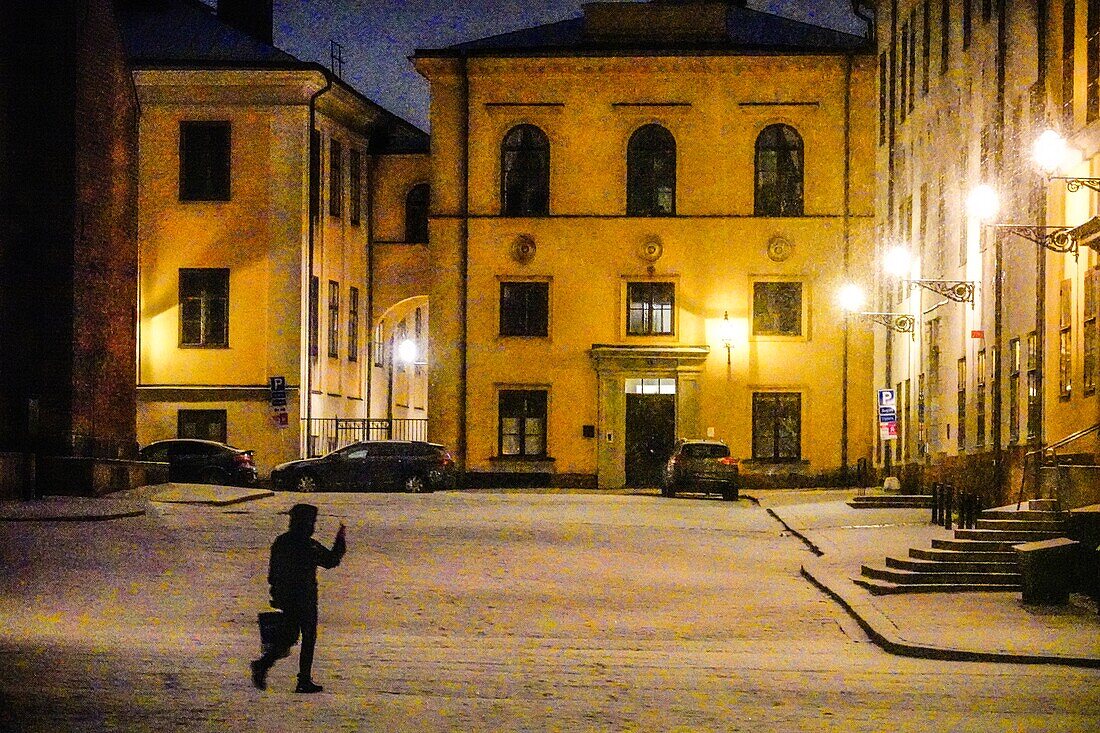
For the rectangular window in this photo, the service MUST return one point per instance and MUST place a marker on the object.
(204, 161)
(524, 308)
(922, 423)
(967, 22)
(204, 307)
(333, 319)
(987, 10)
(649, 308)
(926, 44)
(900, 442)
(1065, 340)
(314, 174)
(960, 388)
(202, 425)
(335, 178)
(906, 420)
(776, 426)
(418, 334)
(912, 26)
(945, 35)
(314, 315)
(979, 403)
(903, 108)
(882, 82)
(1089, 335)
(922, 226)
(379, 344)
(777, 308)
(1014, 390)
(1092, 44)
(1034, 395)
(939, 248)
(1069, 14)
(355, 187)
(353, 324)
(933, 339)
(522, 426)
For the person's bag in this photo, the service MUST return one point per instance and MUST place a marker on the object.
(274, 632)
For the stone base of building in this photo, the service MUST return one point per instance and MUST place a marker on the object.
(528, 480)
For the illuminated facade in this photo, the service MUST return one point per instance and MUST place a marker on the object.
(636, 236)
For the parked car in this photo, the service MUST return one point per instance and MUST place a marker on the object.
(202, 461)
(701, 465)
(409, 465)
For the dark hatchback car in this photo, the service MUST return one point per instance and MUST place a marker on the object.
(202, 461)
(371, 465)
(701, 465)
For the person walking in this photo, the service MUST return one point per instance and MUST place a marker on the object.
(292, 573)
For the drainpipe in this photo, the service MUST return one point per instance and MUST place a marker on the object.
(309, 269)
(368, 161)
(465, 235)
(1041, 52)
(998, 260)
(888, 351)
(847, 242)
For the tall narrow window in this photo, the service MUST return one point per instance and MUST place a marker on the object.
(314, 315)
(899, 444)
(525, 172)
(204, 161)
(1014, 390)
(333, 319)
(776, 426)
(1069, 16)
(1065, 340)
(355, 186)
(1089, 335)
(650, 308)
(903, 108)
(882, 82)
(922, 425)
(979, 401)
(651, 172)
(522, 423)
(987, 10)
(779, 172)
(945, 35)
(353, 323)
(926, 44)
(1034, 387)
(416, 213)
(1092, 43)
(335, 178)
(960, 404)
(968, 22)
(379, 344)
(204, 307)
(912, 26)
(933, 338)
(524, 308)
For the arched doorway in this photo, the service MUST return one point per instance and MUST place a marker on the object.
(399, 371)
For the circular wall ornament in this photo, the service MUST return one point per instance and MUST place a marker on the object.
(523, 249)
(651, 249)
(779, 248)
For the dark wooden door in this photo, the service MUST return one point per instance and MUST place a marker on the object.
(650, 434)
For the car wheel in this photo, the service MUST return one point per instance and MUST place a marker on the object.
(214, 476)
(415, 484)
(307, 483)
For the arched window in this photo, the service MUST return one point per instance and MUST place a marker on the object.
(525, 172)
(651, 172)
(416, 214)
(779, 172)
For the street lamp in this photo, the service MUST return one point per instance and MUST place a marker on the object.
(407, 351)
(983, 203)
(1053, 154)
(852, 299)
(1050, 152)
(897, 261)
(726, 335)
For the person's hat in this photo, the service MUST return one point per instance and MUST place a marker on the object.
(300, 512)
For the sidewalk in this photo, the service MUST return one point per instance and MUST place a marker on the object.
(977, 626)
(123, 504)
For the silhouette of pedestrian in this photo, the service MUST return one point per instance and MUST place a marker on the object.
(292, 573)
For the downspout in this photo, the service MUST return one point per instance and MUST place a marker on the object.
(847, 244)
(309, 264)
(464, 234)
(1041, 53)
(998, 260)
(369, 162)
(888, 350)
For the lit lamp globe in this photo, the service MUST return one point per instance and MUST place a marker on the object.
(897, 261)
(851, 298)
(982, 203)
(1050, 152)
(406, 351)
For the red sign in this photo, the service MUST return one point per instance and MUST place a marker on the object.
(977, 334)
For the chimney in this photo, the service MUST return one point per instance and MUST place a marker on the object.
(254, 17)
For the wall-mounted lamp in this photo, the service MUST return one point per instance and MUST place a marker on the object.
(898, 262)
(727, 336)
(852, 299)
(408, 352)
(1053, 154)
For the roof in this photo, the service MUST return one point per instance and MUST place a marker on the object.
(747, 31)
(188, 34)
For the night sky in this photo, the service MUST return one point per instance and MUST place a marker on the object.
(379, 36)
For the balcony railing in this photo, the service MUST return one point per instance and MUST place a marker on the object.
(327, 434)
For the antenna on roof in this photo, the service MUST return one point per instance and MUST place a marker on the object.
(336, 59)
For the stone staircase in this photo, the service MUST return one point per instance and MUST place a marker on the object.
(980, 559)
(892, 501)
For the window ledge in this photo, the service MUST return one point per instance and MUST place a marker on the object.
(523, 459)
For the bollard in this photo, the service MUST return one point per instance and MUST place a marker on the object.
(948, 501)
(936, 490)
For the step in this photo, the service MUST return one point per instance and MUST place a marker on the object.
(1033, 525)
(917, 501)
(884, 587)
(1007, 565)
(1042, 505)
(961, 555)
(906, 577)
(1024, 514)
(997, 535)
(975, 545)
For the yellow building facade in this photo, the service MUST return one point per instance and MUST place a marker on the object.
(637, 238)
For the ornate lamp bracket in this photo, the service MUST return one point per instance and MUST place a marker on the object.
(898, 322)
(1056, 239)
(1074, 185)
(960, 291)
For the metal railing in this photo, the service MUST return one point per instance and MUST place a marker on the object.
(327, 434)
(1042, 451)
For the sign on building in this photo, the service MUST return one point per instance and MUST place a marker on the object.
(279, 417)
(887, 414)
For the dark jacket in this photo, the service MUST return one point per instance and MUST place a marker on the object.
(295, 558)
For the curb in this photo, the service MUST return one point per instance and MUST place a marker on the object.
(98, 517)
(805, 540)
(239, 499)
(878, 627)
